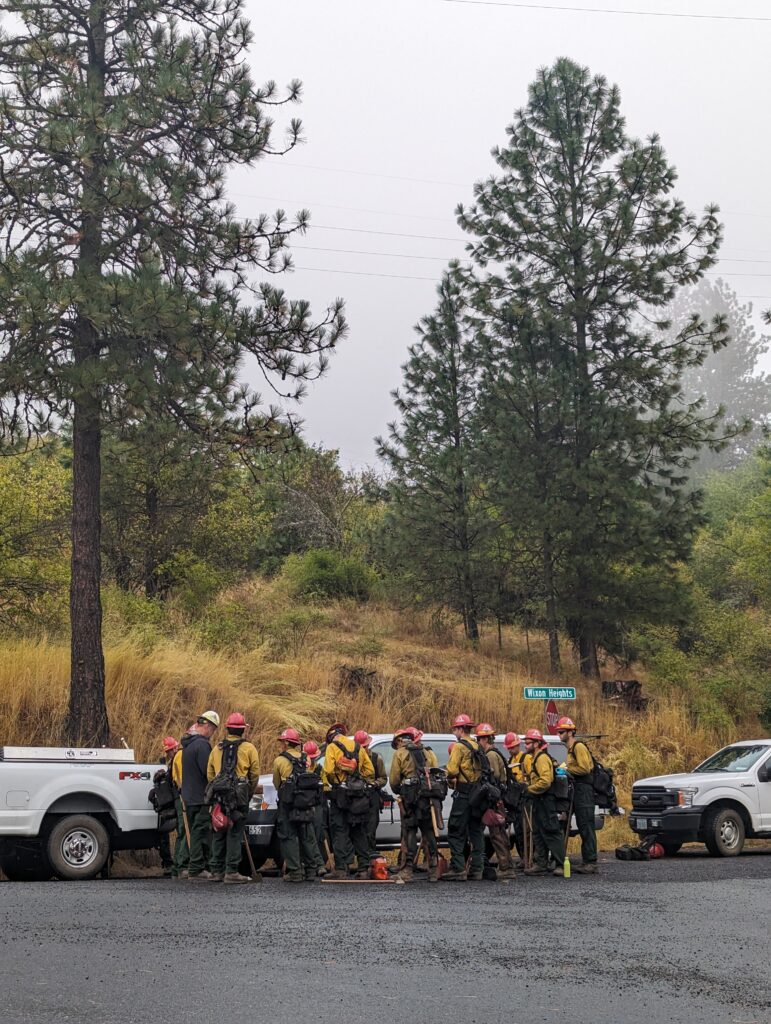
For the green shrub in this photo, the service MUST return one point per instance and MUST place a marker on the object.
(194, 583)
(289, 632)
(328, 574)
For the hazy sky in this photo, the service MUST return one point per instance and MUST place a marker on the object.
(403, 101)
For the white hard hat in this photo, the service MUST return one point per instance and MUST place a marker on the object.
(213, 717)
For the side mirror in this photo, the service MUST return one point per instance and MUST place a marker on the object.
(764, 772)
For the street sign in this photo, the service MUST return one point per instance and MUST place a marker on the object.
(550, 693)
(552, 716)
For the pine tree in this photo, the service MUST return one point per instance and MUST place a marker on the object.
(578, 235)
(435, 519)
(728, 379)
(125, 277)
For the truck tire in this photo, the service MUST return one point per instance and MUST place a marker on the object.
(20, 863)
(78, 847)
(724, 832)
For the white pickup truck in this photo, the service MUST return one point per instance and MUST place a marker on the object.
(724, 800)
(63, 810)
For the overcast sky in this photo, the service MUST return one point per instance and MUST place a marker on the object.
(403, 100)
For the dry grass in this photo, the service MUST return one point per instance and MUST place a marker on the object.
(422, 678)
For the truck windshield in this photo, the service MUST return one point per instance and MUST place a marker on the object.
(732, 759)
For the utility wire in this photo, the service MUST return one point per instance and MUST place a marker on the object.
(608, 10)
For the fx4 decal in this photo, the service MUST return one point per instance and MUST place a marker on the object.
(134, 776)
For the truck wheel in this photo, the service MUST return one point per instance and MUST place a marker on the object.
(671, 848)
(724, 832)
(78, 847)
(25, 863)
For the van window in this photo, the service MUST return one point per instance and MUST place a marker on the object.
(386, 751)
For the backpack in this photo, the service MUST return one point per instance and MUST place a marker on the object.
(485, 792)
(511, 793)
(427, 784)
(225, 789)
(352, 796)
(301, 792)
(162, 798)
(602, 783)
(560, 787)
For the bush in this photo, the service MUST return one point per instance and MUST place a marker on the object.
(328, 574)
(288, 632)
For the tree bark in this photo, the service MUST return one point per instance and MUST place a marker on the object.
(87, 722)
(555, 663)
(151, 545)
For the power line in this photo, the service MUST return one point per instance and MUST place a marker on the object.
(607, 10)
(393, 234)
(375, 174)
(331, 206)
(366, 252)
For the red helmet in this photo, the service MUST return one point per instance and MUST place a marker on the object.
(534, 734)
(334, 730)
(461, 721)
(235, 721)
(290, 736)
(409, 731)
(484, 729)
(311, 749)
(511, 740)
(169, 744)
(656, 850)
(362, 737)
(565, 723)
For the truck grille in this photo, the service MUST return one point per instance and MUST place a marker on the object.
(650, 799)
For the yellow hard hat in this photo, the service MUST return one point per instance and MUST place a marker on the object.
(212, 717)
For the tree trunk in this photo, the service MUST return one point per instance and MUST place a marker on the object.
(151, 545)
(555, 663)
(587, 653)
(87, 715)
(87, 723)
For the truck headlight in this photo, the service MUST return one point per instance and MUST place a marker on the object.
(685, 796)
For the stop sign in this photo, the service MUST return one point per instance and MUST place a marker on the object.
(552, 716)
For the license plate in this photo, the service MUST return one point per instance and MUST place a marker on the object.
(256, 830)
(642, 822)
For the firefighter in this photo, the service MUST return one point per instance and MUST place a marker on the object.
(295, 827)
(181, 845)
(169, 860)
(499, 834)
(346, 766)
(463, 771)
(196, 749)
(409, 762)
(376, 793)
(227, 843)
(517, 769)
(548, 837)
(312, 751)
(581, 770)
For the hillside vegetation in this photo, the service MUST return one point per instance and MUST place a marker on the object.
(291, 666)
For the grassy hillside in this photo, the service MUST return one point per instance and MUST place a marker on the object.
(283, 667)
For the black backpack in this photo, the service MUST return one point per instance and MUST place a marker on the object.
(511, 792)
(427, 784)
(560, 787)
(352, 795)
(226, 789)
(602, 783)
(301, 792)
(162, 797)
(485, 792)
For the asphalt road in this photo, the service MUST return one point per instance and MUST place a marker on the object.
(685, 939)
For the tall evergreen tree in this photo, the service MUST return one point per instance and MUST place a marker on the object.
(435, 512)
(124, 273)
(730, 378)
(579, 232)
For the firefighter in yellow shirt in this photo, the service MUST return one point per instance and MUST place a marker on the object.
(464, 825)
(349, 773)
(519, 764)
(295, 821)
(581, 770)
(547, 832)
(227, 843)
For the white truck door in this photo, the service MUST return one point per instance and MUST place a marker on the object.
(764, 798)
